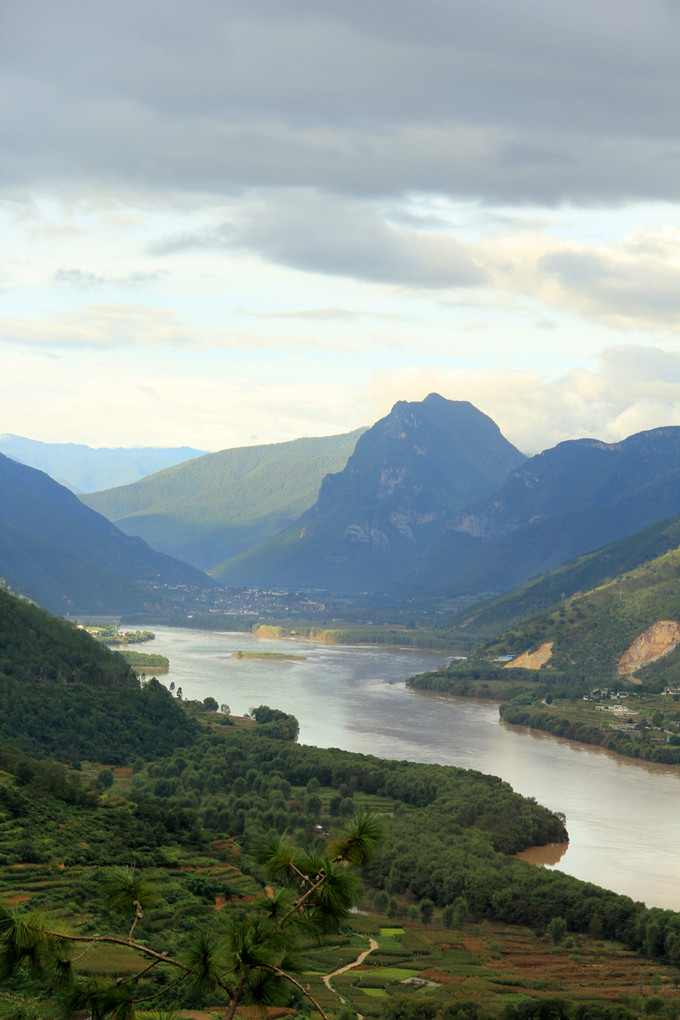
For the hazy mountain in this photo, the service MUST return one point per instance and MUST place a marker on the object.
(374, 520)
(573, 498)
(84, 469)
(222, 504)
(69, 558)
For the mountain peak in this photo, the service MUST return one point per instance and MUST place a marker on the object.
(373, 520)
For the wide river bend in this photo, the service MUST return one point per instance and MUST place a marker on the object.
(622, 815)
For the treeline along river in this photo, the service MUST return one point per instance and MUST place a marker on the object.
(622, 815)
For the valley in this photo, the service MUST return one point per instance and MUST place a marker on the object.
(385, 660)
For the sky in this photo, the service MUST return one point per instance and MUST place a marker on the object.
(228, 223)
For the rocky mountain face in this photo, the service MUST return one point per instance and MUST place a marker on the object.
(374, 520)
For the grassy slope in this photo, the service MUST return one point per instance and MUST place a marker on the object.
(217, 506)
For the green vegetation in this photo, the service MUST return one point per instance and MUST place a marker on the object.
(216, 506)
(252, 958)
(586, 573)
(111, 634)
(208, 848)
(65, 695)
(193, 825)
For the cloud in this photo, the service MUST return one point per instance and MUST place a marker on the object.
(525, 102)
(101, 326)
(631, 282)
(631, 389)
(84, 279)
(309, 232)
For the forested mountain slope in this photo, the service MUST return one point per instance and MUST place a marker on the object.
(375, 520)
(69, 558)
(222, 504)
(66, 696)
(84, 468)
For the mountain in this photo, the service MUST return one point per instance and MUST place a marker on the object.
(84, 469)
(71, 559)
(221, 504)
(374, 520)
(571, 499)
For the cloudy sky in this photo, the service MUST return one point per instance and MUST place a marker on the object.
(227, 223)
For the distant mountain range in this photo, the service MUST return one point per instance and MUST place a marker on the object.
(85, 469)
(431, 501)
(71, 559)
(222, 504)
(375, 520)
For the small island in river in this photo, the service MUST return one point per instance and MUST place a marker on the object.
(268, 655)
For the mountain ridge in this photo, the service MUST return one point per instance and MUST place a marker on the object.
(373, 519)
(221, 504)
(68, 557)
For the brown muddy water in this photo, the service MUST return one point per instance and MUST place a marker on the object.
(622, 815)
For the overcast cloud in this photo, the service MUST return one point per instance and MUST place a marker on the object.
(445, 196)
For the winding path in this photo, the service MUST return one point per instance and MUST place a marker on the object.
(349, 966)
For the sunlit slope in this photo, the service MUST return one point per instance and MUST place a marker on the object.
(70, 558)
(375, 520)
(219, 505)
(590, 631)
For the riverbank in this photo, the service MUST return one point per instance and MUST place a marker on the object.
(636, 724)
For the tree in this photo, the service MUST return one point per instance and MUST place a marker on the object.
(105, 779)
(251, 958)
(557, 929)
(426, 910)
(210, 704)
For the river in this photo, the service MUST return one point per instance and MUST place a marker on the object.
(621, 814)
